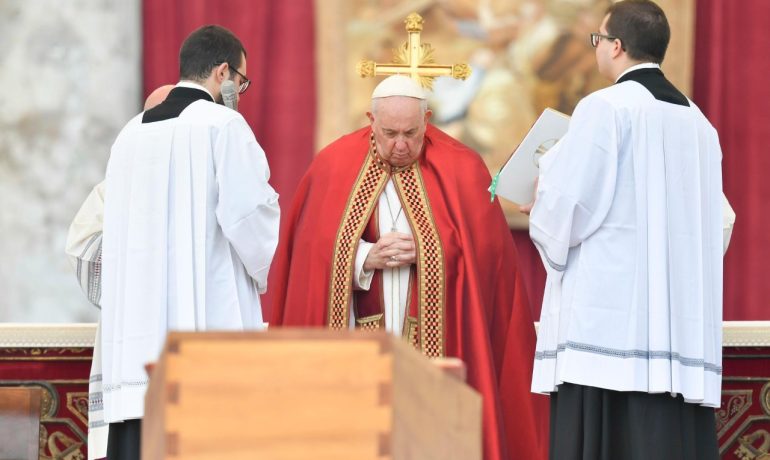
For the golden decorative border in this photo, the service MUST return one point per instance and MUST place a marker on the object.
(410, 331)
(431, 276)
(71, 396)
(72, 447)
(366, 190)
(370, 323)
(741, 430)
(730, 414)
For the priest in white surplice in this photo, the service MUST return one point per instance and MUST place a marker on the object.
(84, 250)
(628, 221)
(190, 227)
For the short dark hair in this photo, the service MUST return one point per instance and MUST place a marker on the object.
(642, 27)
(207, 48)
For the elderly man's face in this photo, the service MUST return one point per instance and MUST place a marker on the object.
(399, 126)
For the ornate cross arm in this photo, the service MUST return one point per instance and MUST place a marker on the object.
(414, 59)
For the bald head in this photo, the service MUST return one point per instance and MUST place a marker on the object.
(157, 96)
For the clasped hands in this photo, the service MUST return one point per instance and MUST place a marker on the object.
(393, 250)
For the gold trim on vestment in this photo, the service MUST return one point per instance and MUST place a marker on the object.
(428, 330)
(360, 205)
(410, 331)
(431, 278)
(370, 323)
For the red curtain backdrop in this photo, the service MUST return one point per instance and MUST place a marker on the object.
(279, 40)
(731, 87)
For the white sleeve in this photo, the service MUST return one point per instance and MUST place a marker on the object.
(728, 221)
(84, 244)
(362, 279)
(248, 209)
(576, 184)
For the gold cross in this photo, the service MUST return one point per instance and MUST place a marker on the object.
(414, 59)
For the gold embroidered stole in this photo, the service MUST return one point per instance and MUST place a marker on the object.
(431, 277)
(358, 209)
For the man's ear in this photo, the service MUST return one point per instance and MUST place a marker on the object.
(617, 48)
(428, 114)
(370, 116)
(221, 72)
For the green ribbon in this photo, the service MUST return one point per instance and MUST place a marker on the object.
(493, 187)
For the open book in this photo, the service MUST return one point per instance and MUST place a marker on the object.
(516, 179)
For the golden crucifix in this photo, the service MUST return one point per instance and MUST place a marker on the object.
(414, 59)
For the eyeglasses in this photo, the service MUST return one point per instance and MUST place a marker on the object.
(246, 82)
(595, 37)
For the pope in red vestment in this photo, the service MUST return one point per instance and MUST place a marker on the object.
(465, 298)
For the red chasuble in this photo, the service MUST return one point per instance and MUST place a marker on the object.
(467, 298)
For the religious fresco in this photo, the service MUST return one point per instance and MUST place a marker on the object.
(525, 55)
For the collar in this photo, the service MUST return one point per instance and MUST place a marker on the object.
(193, 85)
(646, 65)
(177, 101)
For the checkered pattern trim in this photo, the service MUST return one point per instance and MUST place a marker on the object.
(366, 190)
(410, 332)
(430, 261)
(370, 323)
